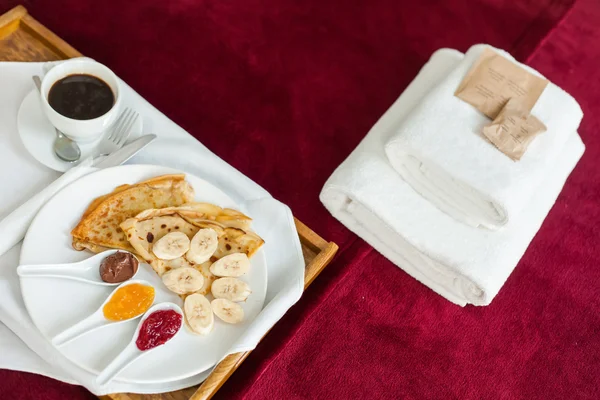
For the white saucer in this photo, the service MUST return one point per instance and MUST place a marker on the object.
(37, 134)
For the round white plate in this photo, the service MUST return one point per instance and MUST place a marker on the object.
(55, 304)
(38, 134)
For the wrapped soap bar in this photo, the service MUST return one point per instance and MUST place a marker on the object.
(494, 79)
(513, 129)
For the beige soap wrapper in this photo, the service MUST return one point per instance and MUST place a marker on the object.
(513, 129)
(493, 80)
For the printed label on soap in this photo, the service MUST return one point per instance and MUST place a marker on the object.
(513, 129)
(493, 80)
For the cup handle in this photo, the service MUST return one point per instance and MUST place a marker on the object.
(47, 66)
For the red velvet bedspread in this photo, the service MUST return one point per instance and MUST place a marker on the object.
(284, 90)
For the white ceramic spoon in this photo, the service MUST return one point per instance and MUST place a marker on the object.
(87, 270)
(131, 352)
(94, 321)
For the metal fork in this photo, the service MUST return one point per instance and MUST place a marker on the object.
(118, 134)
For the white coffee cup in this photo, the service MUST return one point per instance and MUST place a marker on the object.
(81, 130)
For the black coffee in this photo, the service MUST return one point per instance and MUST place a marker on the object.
(81, 96)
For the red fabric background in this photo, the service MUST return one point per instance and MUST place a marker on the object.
(284, 90)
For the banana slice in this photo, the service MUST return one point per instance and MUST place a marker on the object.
(198, 314)
(230, 289)
(171, 246)
(203, 245)
(183, 280)
(234, 265)
(228, 311)
(209, 278)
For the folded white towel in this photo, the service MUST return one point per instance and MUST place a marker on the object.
(440, 151)
(462, 263)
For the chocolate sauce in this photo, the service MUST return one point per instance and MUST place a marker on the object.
(118, 267)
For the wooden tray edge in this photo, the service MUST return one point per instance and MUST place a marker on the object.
(10, 20)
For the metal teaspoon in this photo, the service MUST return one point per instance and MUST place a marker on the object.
(65, 148)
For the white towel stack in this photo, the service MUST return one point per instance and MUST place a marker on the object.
(440, 151)
(465, 264)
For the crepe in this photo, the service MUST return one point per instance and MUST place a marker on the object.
(197, 213)
(99, 228)
(149, 226)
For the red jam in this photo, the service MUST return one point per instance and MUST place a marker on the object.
(158, 329)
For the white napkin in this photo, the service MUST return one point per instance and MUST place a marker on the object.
(461, 263)
(440, 151)
(21, 176)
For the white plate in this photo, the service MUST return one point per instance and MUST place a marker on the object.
(38, 134)
(55, 304)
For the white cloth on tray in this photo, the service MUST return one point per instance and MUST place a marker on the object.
(21, 176)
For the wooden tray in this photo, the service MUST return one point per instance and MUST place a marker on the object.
(22, 38)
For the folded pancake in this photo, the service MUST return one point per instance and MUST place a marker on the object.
(149, 226)
(99, 227)
(198, 213)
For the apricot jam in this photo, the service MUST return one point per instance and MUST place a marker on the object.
(128, 302)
